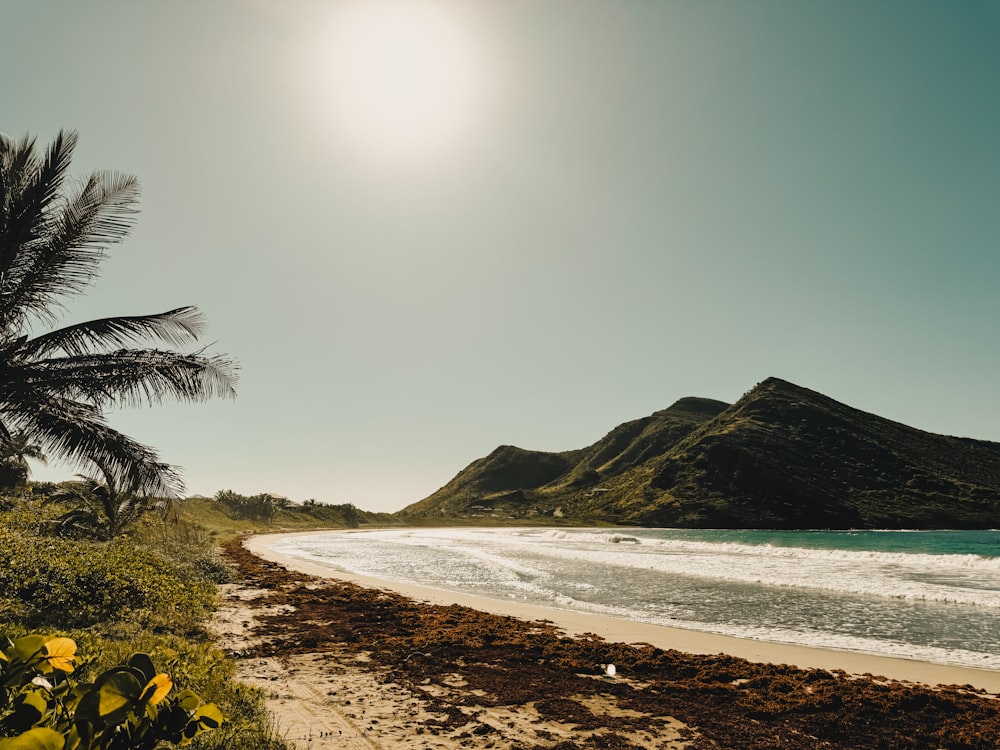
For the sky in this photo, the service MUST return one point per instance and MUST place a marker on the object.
(427, 228)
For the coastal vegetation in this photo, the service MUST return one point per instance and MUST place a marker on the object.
(102, 509)
(144, 596)
(783, 456)
(56, 386)
(89, 574)
(14, 454)
(115, 605)
(150, 591)
(124, 707)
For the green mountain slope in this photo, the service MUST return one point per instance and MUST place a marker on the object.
(781, 457)
(514, 481)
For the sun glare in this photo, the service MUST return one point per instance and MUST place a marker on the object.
(399, 82)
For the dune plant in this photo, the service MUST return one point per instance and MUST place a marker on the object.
(65, 583)
(129, 707)
(56, 386)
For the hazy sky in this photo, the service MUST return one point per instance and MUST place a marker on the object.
(426, 228)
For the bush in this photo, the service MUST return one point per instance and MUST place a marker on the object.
(149, 592)
(128, 707)
(189, 548)
(203, 668)
(75, 584)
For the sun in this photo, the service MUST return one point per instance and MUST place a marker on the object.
(399, 82)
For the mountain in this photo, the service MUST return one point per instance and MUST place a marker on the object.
(782, 456)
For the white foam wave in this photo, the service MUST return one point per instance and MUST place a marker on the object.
(915, 580)
(640, 580)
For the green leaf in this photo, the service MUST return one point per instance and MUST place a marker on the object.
(39, 738)
(172, 722)
(114, 694)
(81, 734)
(144, 665)
(60, 653)
(209, 716)
(27, 648)
(29, 708)
(188, 700)
(37, 699)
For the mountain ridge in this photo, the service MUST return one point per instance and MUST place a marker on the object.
(782, 456)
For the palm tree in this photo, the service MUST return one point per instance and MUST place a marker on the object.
(14, 454)
(102, 509)
(55, 386)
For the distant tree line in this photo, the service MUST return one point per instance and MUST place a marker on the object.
(262, 507)
(265, 506)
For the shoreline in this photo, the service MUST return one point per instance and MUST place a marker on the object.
(660, 636)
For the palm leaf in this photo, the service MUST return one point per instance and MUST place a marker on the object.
(79, 434)
(30, 188)
(66, 261)
(131, 377)
(30, 195)
(53, 388)
(177, 327)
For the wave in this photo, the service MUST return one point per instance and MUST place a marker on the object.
(938, 608)
(876, 575)
(909, 559)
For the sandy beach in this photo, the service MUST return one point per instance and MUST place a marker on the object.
(624, 631)
(357, 662)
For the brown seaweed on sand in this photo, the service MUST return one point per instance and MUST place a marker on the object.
(471, 669)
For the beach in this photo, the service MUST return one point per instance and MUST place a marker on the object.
(387, 665)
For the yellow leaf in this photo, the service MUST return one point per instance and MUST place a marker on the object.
(59, 653)
(160, 686)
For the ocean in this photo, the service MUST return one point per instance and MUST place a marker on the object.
(927, 595)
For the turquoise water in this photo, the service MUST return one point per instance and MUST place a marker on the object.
(929, 595)
(984, 543)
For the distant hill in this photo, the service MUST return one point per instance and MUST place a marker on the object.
(782, 456)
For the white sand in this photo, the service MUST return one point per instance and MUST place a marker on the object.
(625, 631)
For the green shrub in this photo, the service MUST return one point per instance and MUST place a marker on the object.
(148, 592)
(128, 707)
(187, 546)
(48, 582)
(197, 666)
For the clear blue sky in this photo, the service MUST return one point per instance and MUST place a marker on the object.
(429, 228)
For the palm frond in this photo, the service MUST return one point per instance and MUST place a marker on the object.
(15, 159)
(30, 197)
(106, 508)
(18, 447)
(132, 377)
(30, 190)
(65, 260)
(54, 387)
(177, 327)
(83, 520)
(35, 453)
(79, 434)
